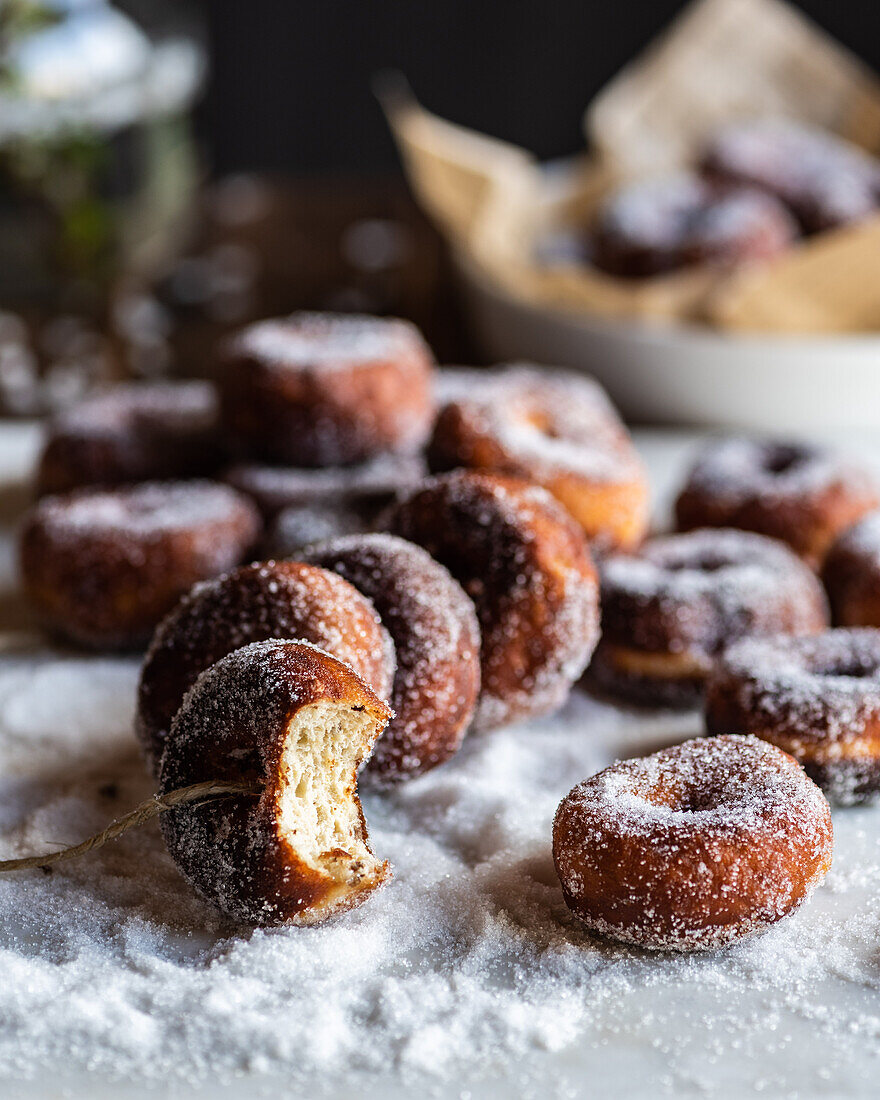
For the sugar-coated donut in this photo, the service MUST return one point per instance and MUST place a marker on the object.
(319, 389)
(372, 484)
(851, 573)
(693, 847)
(298, 723)
(553, 427)
(102, 566)
(300, 526)
(525, 564)
(799, 493)
(437, 641)
(140, 431)
(257, 602)
(816, 698)
(825, 181)
(667, 611)
(654, 226)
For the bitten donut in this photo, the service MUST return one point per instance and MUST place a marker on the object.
(693, 847)
(257, 602)
(817, 698)
(668, 611)
(525, 564)
(101, 567)
(555, 428)
(369, 485)
(851, 573)
(297, 723)
(825, 181)
(651, 227)
(325, 390)
(437, 641)
(801, 494)
(143, 431)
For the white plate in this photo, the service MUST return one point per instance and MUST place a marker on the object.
(687, 375)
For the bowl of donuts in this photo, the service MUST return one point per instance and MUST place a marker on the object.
(710, 258)
(344, 561)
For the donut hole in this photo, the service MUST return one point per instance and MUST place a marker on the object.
(318, 812)
(704, 562)
(851, 666)
(680, 795)
(784, 458)
(683, 798)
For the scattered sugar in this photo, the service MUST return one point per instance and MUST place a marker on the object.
(466, 967)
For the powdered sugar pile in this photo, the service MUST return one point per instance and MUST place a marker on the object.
(467, 965)
(466, 973)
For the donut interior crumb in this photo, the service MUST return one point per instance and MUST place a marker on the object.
(319, 815)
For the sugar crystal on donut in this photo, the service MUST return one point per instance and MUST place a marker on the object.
(274, 599)
(437, 641)
(817, 698)
(298, 723)
(551, 426)
(693, 847)
(525, 564)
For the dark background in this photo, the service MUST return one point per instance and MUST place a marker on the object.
(291, 80)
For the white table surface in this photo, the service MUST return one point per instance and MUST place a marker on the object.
(796, 1014)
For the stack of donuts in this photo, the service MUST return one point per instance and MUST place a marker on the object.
(393, 612)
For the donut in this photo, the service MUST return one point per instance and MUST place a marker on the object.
(851, 574)
(103, 566)
(817, 698)
(299, 526)
(319, 389)
(254, 603)
(655, 226)
(525, 564)
(825, 181)
(553, 427)
(437, 641)
(668, 611)
(369, 485)
(298, 723)
(694, 847)
(142, 431)
(799, 493)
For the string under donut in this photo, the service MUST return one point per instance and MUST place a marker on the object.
(159, 804)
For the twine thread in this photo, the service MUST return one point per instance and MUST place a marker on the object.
(158, 804)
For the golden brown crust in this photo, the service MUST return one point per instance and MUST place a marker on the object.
(552, 427)
(102, 567)
(668, 610)
(232, 727)
(804, 496)
(693, 847)
(526, 565)
(816, 698)
(144, 431)
(437, 641)
(257, 602)
(325, 390)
